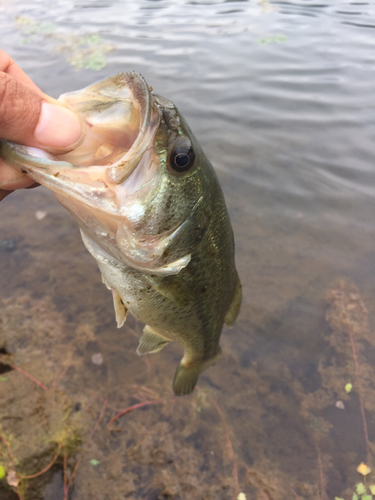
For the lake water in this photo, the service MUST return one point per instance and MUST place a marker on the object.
(280, 95)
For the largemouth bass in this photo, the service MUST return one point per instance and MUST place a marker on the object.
(152, 214)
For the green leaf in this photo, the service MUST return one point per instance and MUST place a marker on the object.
(366, 497)
(338, 498)
(3, 379)
(95, 61)
(355, 496)
(94, 462)
(272, 39)
(45, 28)
(2, 472)
(360, 489)
(372, 488)
(91, 40)
(348, 387)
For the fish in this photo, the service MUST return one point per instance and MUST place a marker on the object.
(152, 214)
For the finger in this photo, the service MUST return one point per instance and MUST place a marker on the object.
(7, 65)
(3, 194)
(27, 118)
(11, 179)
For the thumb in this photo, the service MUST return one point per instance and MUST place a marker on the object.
(35, 119)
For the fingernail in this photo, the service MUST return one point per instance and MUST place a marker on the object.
(58, 127)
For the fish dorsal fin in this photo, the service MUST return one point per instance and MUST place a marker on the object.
(235, 305)
(151, 342)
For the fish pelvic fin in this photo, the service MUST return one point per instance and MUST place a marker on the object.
(120, 310)
(187, 374)
(235, 306)
(151, 341)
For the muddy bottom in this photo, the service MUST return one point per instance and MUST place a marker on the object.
(288, 412)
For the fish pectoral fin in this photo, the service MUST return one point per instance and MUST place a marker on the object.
(120, 309)
(151, 342)
(175, 289)
(187, 374)
(235, 305)
(106, 283)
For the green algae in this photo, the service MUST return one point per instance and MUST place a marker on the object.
(87, 51)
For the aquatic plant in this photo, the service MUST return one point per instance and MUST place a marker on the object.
(83, 52)
(272, 39)
(361, 491)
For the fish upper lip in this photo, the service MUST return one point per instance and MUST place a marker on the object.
(142, 93)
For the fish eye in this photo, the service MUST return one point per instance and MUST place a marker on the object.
(182, 159)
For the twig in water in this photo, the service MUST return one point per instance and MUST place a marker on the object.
(65, 480)
(230, 445)
(322, 493)
(36, 381)
(362, 406)
(46, 468)
(87, 442)
(13, 463)
(134, 407)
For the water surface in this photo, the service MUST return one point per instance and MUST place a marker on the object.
(280, 96)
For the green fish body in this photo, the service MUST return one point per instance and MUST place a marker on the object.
(152, 214)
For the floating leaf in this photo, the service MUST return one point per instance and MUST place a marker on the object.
(366, 497)
(363, 469)
(45, 28)
(272, 39)
(24, 21)
(372, 488)
(355, 496)
(95, 61)
(2, 472)
(348, 387)
(90, 40)
(94, 462)
(26, 41)
(360, 489)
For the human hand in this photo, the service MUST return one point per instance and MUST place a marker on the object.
(30, 117)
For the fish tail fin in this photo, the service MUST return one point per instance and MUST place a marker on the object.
(185, 379)
(187, 375)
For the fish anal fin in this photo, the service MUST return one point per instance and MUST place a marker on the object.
(120, 309)
(235, 305)
(151, 341)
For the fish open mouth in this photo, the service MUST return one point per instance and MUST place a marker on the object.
(117, 114)
(120, 122)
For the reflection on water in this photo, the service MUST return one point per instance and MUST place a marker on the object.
(280, 95)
